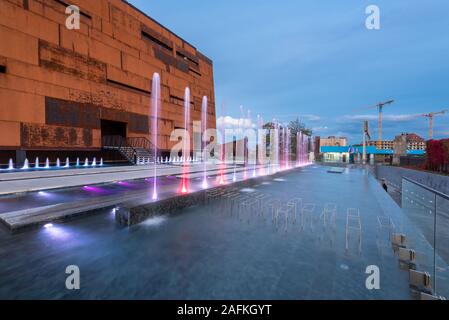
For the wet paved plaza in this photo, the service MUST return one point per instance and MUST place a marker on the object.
(218, 251)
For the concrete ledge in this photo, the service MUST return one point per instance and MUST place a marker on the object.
(32, 218)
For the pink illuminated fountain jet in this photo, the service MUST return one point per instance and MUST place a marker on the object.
(155, 101)
(203, 129)
(185, 175)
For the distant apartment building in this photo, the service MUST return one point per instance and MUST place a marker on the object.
(404, 145)
(385, 144)
(333, 141)
(414, 142)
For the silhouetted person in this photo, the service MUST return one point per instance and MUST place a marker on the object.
(384, 185)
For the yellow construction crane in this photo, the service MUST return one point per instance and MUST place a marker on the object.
(430, 115)
(380, 107)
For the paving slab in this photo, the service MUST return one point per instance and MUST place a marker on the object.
(21, 182)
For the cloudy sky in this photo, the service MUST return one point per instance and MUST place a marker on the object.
(318, 61)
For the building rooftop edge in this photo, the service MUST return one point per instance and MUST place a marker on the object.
(164, 27)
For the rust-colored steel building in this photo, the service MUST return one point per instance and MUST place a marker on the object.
(62, 91)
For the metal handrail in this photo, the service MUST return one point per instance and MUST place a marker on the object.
(140, 142)
(435, 194)
(129, 146)
(121, 144)
(438, 193)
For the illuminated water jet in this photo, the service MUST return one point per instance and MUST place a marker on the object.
(26, 165)
(203, 129)
(155, 101)
(186, 140)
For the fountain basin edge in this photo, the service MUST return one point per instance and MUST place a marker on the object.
(129, 214)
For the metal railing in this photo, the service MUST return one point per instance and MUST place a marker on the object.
(428, 210)
(130, 148)
(140, 143)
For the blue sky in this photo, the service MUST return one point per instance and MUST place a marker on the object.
(317, 60)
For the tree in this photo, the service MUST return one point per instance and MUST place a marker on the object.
(445, 143)
(295, 127)
(436, 155)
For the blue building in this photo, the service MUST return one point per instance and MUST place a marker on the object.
(351, 153)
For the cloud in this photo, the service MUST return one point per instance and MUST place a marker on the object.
(302, 118)
(441, 133)
(235, 123)
(319, 129)
(310, 117)
(386, 118)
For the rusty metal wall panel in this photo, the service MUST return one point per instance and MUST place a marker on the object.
(190, 56)
(138, 123)
(69, 62)
(172, 61)
(36, 135)
(70, 113)
(86, 115)
(157, 36)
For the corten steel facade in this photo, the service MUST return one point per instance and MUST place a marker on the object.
(62, 90)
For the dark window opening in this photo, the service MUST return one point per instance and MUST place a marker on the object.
(179, 101)
(176, 100)
(127, 86)
(195, 72)
(2, 69)
(147, 36)
(66, 5)
(183, 56)
(113, 128)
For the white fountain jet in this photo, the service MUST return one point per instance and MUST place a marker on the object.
(26, 165)
(155, 102)
(86, 162)
(101, 162)
(77, 162)
(58, 163)
(47, 163)
(36, 163)
(94, 162)
(67, 163)
(11, 165)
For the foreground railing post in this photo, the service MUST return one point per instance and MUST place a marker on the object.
(435, 245)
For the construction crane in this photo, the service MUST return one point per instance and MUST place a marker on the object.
(430, 115)
(380, 107)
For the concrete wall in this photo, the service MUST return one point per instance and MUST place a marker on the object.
(394, 175)
(59, 83)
